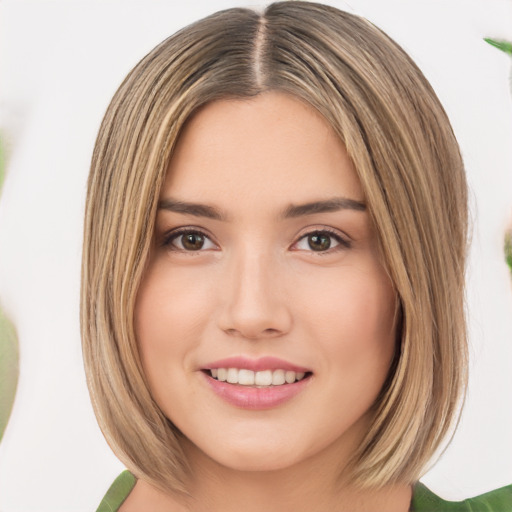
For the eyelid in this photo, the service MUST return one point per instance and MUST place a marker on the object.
(173, 234)
(343, 240)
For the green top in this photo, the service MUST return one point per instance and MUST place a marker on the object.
(423, 500)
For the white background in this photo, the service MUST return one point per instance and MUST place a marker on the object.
(60, 63)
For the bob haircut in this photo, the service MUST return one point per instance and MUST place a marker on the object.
(407, 159)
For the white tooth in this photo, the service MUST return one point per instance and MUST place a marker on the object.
(278, 378)
(246, 377)
(222, 374)
(299, 375)
(290, 377)
(214, 372)
(232, 376)
(263, 378)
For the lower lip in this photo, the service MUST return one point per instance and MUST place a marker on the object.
(248, 397)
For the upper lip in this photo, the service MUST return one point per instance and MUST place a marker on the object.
(262, 363)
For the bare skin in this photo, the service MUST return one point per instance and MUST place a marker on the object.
(252, 282)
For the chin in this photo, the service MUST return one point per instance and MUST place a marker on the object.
(262, 456)
(260, 461)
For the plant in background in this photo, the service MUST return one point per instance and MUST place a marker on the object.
(9, 354)
(505, 46)
(9, 369)
(508, 248)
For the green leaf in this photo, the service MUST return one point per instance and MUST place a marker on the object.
(508, 249)
(9, 369)
(504, 46)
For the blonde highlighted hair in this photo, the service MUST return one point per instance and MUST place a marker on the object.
(407, 159)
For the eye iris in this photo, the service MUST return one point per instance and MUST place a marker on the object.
(319, 242)
(193, 241)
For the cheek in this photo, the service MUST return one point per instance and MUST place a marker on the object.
(170, 313)
(353, 318)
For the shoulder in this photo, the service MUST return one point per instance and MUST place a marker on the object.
(118, 492)
(499, 500)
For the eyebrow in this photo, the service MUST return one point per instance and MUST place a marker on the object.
(330, 205)
(203, 210)
(196, 209)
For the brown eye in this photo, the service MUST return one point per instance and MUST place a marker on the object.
(322, 241)
(319, 241)
(192, 241)
(189, 241)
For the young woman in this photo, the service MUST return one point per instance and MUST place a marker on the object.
(273, 270)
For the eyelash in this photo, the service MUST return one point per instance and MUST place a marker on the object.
(343, 243)
(173, 235)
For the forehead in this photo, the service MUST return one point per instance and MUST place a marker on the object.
(270, 148)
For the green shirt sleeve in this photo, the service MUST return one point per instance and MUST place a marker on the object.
(117, 493)
(424, 500)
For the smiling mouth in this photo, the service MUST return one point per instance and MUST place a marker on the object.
(259, 379)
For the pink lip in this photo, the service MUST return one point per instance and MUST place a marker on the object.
(248, 397)
(256, 365)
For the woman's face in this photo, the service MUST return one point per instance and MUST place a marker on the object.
(265, 272)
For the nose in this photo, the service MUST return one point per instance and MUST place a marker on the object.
(254, 305)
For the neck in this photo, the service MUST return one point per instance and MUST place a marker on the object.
(314, 484)
(298, 490)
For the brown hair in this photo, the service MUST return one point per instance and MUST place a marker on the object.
(406, 156)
